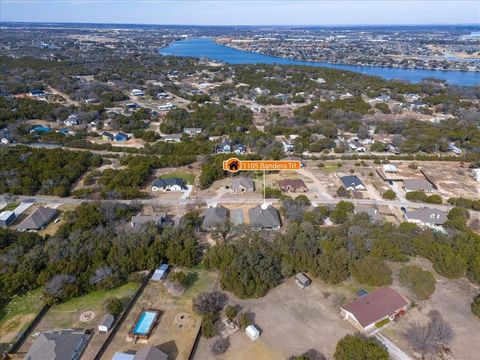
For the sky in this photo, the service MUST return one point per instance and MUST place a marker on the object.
(244, 12)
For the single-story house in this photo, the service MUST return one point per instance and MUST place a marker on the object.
(58, 345)
(389, 168)
(38, 219)
(120, 137)
(241, 184)
(137, 92)
(140, 219)
(132, 106)
(239, 149)
(160, 272)
(6, 218)
(72, 120)
(370, 211)
(252, 332)
(366, 311)
(147, 353)
(292, 185)
(224, 147)
(170, 184)
(215, 216)
(427, 217)
(166, 107)
(173, 138)
(192, 131)
(107, 136)
(302, 280)
(417, 185)
(356, 146)
(106, 323)
(37, 92)
(264, 216)
(40, 129)
(352, 182)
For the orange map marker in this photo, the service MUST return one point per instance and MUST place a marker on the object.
(234, 165)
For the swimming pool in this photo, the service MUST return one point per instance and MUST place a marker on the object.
(145, 322)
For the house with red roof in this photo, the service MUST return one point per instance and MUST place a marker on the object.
(381, 304)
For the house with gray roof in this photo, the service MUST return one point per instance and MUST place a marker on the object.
(417, 185)
(58, 345)
(192, 131)
(352, 182)
(170, 184)
(370, 211)
(427, 217)
(6, 218)
(146, 353)
(173, 138)
(38, 219)
(264, 216)
(214, 217)
(241, 184)
(138, 220)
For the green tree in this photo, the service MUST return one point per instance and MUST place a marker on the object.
(114, 306)
(209, 327)
(420, 282)
(353, 347)
(389, 195)
(371, 271)
(231, 312)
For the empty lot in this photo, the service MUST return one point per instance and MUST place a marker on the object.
(292, 321)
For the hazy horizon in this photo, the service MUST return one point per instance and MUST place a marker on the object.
(244, 12)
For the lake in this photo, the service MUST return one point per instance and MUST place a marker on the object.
(207, 48)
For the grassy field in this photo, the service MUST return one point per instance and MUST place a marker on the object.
(67, 314)
(189, 177)
(18, 313)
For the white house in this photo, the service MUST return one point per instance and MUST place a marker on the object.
(72, 120)
(171, 184)
(252, 332)
(136, 92)
(166, 107)
(390, 168)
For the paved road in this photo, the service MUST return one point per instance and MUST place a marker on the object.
(221, 200)
(393, 350)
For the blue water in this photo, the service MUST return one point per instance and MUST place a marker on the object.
(144, 323)
(207, 48)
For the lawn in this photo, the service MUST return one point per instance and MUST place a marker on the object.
(67, 314)
(18, 313)
(189, 177)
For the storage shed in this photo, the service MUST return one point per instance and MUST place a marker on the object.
(106, 323)
(252, 332)
(302, 280)
(160, 273)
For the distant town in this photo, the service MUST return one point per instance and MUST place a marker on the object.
(123, 236)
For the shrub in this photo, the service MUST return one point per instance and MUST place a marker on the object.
(206, 302)
(114, 306)
(476, 306)
(342, 192)
(220, 346)
(420, 282)
(180, 278)
(231, 312)
(359, 347)
(209, 328)
(389, 195)
(244, 320)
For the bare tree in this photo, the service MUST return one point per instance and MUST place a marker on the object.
(220, 346)
(212, 302)
(420, 339)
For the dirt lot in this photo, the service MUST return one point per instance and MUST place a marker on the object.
(171, 335)
(452, 299)
(292, 321)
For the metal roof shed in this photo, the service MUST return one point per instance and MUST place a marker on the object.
(302, 280)
(252, 332)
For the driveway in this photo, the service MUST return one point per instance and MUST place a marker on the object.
(393, 350)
